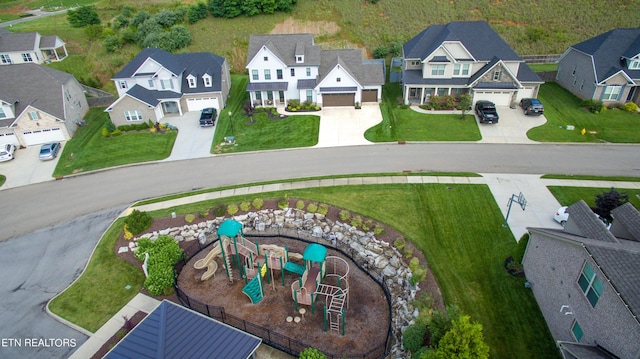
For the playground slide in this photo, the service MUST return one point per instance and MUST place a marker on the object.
(204, 262)
(253, 290)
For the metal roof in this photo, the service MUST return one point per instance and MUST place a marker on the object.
(267, 86)
(173, 331)
(306, 84)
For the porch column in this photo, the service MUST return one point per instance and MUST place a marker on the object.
(406, 95)
(422, 96)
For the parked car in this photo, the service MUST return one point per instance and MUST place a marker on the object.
(562, 216)
(6, 152)
(49, 151)
(486, 111)
(208, 117)
(532, 106)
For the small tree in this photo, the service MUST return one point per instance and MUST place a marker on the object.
(248, 109)
(464, 104)
(380, 52)
(464, 340)
(83, 16)
(607, 201)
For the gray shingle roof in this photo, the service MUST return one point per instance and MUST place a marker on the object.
(627, 216)
(48, 42)
(607, 49)
(588, 222)
(18, 41)
(173, 331)
(366, 73)
(35, 85)
(151, 97)
(584, 351)
(286, 47)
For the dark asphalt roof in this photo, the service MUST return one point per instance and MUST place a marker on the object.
(588, 223)
(151, 97)
(267, 86)
(607, 49)
(173, 331)
(365, 73)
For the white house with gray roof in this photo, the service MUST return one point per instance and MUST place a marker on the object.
(157, 84)
(464, 57)
(30, 47)
(287, 67)
(586, 280)
(39, 104)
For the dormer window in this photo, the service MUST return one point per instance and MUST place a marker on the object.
(299, 59)
(192, 81)
(207, 80)
(634, 64)
(122, 84)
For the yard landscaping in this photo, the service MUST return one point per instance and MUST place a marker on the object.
(562, 108)
(89, 150)
(467, 260)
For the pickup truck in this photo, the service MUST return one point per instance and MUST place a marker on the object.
(486, 111)
(208, 117)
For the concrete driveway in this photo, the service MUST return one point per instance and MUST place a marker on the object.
(193, 141)
(26, 168)
(345, 126)
(512, 127)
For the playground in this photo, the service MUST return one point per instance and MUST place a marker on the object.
(304, 291)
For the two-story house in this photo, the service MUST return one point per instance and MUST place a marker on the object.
(30, 47)
(586, 280)
(464, 57)
(605, 67)
(39, 104)
(291, 67)
(156, 84)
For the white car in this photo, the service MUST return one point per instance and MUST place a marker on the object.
(6, 152)
(561, 216)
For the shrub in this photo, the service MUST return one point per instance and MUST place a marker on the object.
(418, 275)
(83, 16)
(257, 203)
(189, 218)
(245, 206)
(127, 234)
(518, 253)
(424, 301)
(413, 337)
(399, 243)
(630, 107)
(380, 52)
(414, 263)
(138, 221)
(356, 221)
(203, 214)
(115, 133)
(378, 229)
(312, 353)
(293, 103)
(344, 215)
(300, 204)
(407, 252)
(232, 209)
(104, 132)
(312, 208)
(219, 210)
(595, 106)
(323, 209)
(283, 203)
(164, 253)
(367, 225)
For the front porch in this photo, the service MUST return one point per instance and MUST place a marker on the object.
(419, 95)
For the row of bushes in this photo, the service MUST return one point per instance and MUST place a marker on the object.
(164, 253)
(295, 105)
(447, 102)
(597, 106)
(418, 271)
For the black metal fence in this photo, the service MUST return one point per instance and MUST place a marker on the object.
(277, 340)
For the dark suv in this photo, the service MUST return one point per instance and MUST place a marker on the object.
(532, 106)
(208, 117)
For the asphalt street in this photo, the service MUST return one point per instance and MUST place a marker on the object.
(24, 208)
(36, 267)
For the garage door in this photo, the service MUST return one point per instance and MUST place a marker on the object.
(527, 92)
(37, 137)
(500, 98)
(369, 95)
(9, 138)
(339, 99)
(197, 104)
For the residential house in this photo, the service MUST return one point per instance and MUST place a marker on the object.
(39, 104)
(291, 67)
(605, 67)
(30, 47)
(465, 57)
(157, 84)
(173, 331)
(586, 280)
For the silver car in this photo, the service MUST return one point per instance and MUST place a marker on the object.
(7, 151)
(49, 151)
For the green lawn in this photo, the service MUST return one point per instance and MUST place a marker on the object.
(570, 195)
(592, 178)
(466, 259)
(544, 67)
(262, 133)
(88, 150)
(404, 124)
(562, 108)
(3, 179)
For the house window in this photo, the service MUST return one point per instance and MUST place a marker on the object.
(308, 71)
(299, 59)
(254, 74)
(496, 75)
(310, 95)
(151, 83)
(258, 95)
(590, 284)
(577, 331)
(575, 67)
(415, 63)
(575, 80)
(192, 82)
(2, 114)
(634, 65)
(134, 115)
(266, 58)
(437, 70)
(611, 93)
(461, 69)
(34, 115)
(267, 74)
(166, 84)
(27, 57)
(67, 95)
(5, 59)
(293, 72)
(122, 84)
(581, 85)
(279, 74)
(207, 81)
(338, 79)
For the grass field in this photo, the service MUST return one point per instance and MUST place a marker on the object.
(570, 195)
(562, 108)
(467, 260)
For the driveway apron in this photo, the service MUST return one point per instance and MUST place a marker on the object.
(345, 126)
(193, 141)
(512, 127)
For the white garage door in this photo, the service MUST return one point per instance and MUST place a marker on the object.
(197, 104)
(37, 137)
(500, 98)
(9, 138)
